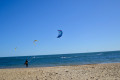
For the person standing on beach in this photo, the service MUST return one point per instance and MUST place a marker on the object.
(26, 63)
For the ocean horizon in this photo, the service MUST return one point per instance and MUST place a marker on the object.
(61, 59)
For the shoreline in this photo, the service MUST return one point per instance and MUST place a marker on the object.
(110, 71)
(54, 66)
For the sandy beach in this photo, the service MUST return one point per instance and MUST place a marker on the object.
(78, 72)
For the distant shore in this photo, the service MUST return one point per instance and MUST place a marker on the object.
(109, 71)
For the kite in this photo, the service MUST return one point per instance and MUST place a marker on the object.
(34, 42)
(15, 48)
(60, 33)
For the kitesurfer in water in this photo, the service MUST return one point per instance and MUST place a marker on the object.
(26, 63)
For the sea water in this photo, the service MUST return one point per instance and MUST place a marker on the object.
(61, 60)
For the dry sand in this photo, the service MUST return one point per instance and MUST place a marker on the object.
(79, 72)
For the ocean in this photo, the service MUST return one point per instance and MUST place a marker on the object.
(61, 59)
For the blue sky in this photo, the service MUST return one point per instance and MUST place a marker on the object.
(88, 26)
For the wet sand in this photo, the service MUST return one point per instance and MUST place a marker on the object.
(78, 72)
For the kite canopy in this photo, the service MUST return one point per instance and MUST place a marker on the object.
(34, 42)
(59, 33)
(15, 48)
